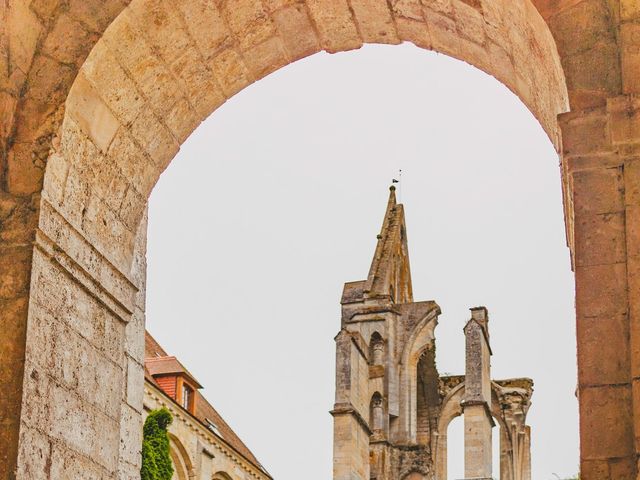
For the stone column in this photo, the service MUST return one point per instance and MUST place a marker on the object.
(526, 454)
(601, 170)
(84, 377)
(477, 398)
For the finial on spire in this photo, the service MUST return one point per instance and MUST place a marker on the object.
(398, 181)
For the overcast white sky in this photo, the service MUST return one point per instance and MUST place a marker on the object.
(275, 201)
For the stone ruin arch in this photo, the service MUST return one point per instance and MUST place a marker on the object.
(98, 96)
(510, 401)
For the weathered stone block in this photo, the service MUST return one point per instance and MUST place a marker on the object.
(144, 65)
(36, 407)
(606, 410)
(335, 25)
(81, 367)
(629, 10)
(35, 455)
(68, 41)
(624, 115)
(601, 290)
(206, 25)
(414, 31)
(155, 138)
(163, 28)
(24, 30)
(442, 29)
(296, 31)
(14, 271)
(469, 21)
(442, 6)
(231, 72)
(131, 433)
(265, 58)
(623, 468)
(66, 463)
(249, 22)
(91, 114)
(598, 191)
(630, 61)
(586, 134)
(410, 9)
(84, 429)
(594, 469)
(600, 239)
(135, 384)
(96, 14)
(374, 21)
(116, 88)
(603, 350)
(24, 174)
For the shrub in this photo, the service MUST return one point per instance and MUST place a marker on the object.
(156, 460)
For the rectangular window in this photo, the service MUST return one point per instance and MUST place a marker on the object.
(187, 397)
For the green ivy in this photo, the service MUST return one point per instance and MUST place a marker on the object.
(156, 460)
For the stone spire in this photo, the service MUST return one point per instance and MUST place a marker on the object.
(390, 275)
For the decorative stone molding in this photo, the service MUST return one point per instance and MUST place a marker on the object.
(64, 244)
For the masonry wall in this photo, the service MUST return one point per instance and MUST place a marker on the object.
(81, 413)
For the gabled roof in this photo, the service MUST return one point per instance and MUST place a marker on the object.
(157, 366)
(157, 358)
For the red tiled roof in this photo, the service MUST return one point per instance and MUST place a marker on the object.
(157, 360)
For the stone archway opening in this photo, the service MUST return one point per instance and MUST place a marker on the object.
(117, 137)
(274, 195)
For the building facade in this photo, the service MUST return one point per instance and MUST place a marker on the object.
(392, 408)
(203, 446)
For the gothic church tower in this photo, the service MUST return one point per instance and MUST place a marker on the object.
(392, 408)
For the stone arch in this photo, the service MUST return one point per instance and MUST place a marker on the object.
(133, 113)
(183, 466)
(452, 408)
(221, 476)
(421, 339)
(117, 136)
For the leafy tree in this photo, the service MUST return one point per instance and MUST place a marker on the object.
(156, 460)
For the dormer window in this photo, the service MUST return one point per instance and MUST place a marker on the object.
(174, 380)
(213, 427)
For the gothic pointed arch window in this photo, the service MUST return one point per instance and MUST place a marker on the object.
(427, 395)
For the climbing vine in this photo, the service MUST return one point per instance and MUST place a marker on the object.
(156, 460)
